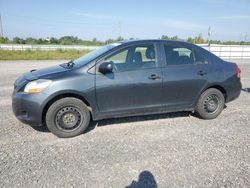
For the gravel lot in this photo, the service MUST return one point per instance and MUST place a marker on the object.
(169, 150)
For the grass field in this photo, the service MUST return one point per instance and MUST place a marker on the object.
(41, 55)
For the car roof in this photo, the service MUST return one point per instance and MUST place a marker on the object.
(152, 40)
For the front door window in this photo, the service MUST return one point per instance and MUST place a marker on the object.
(132, 58)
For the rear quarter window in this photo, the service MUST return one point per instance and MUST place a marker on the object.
(203, 56)
(200, 58)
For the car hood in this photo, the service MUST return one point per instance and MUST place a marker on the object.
(46, 73)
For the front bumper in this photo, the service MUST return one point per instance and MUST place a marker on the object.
(28, 108)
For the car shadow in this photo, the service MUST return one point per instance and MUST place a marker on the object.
(122, 120)
(145, 180)
(43, 128)
(133, 119)
(247, 90)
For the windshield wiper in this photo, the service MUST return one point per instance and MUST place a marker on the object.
(70, 64)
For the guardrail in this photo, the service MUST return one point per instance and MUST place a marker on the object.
(223, 51)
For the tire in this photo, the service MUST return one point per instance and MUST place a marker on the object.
(210, 104)
(67, 117)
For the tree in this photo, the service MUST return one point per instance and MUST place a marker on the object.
(120, 38)
(109, 41)
(30, 40)
(71, 40)
(190, 40)
(18, 40)
(175, 38)
(40, 41)
(164, 37)
(199, 39)
(3, 40)
(53, 40)
(68, 40)
(214, 42)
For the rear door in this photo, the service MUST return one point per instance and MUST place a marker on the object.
(183, 77)
(135, 85)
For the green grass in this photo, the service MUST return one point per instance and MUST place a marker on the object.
(41, 55)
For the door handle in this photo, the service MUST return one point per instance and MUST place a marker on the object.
(202, 73)
(154, 77)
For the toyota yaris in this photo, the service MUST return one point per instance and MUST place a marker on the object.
(126, 79)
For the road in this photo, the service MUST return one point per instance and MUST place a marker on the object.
(169, 150)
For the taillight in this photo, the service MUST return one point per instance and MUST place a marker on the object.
(238, 71)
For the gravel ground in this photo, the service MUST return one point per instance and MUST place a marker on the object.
(169, 150)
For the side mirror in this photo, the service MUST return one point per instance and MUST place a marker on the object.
(106, 67)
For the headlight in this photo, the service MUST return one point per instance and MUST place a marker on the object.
(37, 86)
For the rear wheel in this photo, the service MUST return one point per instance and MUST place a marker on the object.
(210, 104)
(67, 117)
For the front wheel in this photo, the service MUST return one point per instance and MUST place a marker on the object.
(67, 117)
(210, 104)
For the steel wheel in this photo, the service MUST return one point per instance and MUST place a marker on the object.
(211, 104)
(68, 118)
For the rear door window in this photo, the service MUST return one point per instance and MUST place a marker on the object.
(178, 55)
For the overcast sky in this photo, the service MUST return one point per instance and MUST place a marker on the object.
(103, 19)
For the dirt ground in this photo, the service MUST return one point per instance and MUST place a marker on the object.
(168, 150)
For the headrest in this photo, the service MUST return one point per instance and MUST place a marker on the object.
(137, 58)
(174, 54)
(150, 53)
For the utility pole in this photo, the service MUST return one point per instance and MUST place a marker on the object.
(1, 26)
(209, 34)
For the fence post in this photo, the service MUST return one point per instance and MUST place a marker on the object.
(242, 51)
(220, 51)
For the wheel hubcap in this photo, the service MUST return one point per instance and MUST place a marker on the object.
(68, 118)
(211, 104)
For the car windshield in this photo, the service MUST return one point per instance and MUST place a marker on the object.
(94, 54)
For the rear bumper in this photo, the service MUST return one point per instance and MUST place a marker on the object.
(28, 107)
(234, 91)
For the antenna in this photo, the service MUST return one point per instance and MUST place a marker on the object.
(1, 26)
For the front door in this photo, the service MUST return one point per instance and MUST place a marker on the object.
(134, 85)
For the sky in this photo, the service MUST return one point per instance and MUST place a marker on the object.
(103, 19)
